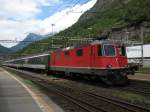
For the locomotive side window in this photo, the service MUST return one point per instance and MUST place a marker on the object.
(109, 50)
(79, 52)
(66, 53)
(122, 51)
(57, 55)
(99, 50)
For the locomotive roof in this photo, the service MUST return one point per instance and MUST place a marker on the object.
(102, 42)
(83, 45)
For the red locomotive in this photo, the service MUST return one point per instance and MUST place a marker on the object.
(102, 59)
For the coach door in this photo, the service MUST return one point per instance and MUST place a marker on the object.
(47, 62)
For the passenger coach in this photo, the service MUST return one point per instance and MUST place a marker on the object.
(39, 61)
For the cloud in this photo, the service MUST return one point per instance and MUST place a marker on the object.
(66, 17)
(22, 9)
(18, 18)
(11, 30)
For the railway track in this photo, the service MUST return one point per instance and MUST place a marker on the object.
(145, 84)
(86, 99)
(127, 106)
(86, 106)
(137, 90)
(139, 87)
(81, 103)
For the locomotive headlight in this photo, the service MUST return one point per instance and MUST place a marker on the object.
(109, 66)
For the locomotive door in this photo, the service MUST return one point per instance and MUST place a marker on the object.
(92, 60)
(96, 53)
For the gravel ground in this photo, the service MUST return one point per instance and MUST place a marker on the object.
(103, 90)
(140, 76)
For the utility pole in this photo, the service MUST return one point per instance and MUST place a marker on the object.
(51, 43)
(52, 34)
(127, 37)
(142, 42)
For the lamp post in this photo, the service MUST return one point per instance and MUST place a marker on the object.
(52, 28)
(90, 31)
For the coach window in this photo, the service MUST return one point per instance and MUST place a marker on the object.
(39, 60)
(66, 53)
(79, 52)
(99, 50)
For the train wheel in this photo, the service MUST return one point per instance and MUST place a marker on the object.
(119, 80)
(106, 80)
(67, 74)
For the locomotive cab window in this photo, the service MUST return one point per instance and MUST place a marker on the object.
(109, 50)
(79, 52)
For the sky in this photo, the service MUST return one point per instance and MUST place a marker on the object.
(18, 18)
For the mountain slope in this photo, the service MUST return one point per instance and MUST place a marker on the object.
(28, 40)
(101, 18)
(110, 13)
(4, 50)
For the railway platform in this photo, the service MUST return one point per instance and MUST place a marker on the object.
(14, 97)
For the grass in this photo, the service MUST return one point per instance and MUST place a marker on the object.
(145, 69)
(131, 97)
(28, 82)
(146, 39)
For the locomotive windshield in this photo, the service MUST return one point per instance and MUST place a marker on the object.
(109, 50)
